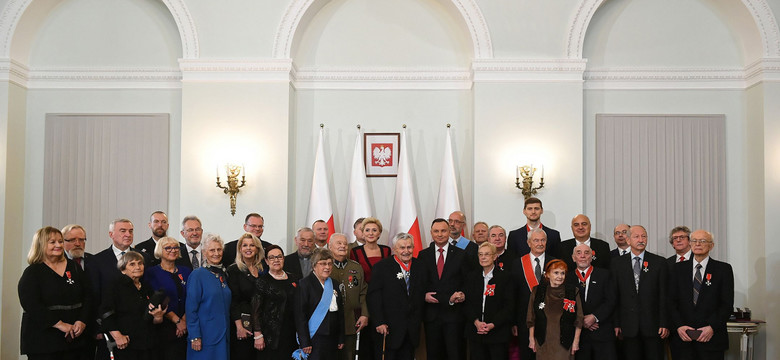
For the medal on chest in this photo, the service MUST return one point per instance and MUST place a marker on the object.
(71, 282)
(645, 265)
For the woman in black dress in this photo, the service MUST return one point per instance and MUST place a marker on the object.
(128, 315)
(272, 309)
(55, 296)
(242, 275)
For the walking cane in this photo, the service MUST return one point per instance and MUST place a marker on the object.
(384, 338)
(357, 345)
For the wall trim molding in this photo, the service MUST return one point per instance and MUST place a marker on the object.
(297, 10)
(235, 70)
(529, 70)
(382, 78)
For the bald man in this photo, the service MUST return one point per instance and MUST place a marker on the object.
(580, 227)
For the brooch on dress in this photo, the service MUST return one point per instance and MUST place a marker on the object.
(541, 305)
(568, 305)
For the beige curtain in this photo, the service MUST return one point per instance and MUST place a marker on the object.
(101, 167)
(661, 171)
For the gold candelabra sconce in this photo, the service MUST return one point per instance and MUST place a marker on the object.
(232, 172)
(526, 173)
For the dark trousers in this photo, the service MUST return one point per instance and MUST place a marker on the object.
(61, 355)
(367, 343)
(596, 350)
(242, 349)
(643, 348)
(482, 351)
(692, 350)
(323, 347)
(522, 343)
(403, 352)
(444, 340)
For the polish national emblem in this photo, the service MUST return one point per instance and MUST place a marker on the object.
(381, 155)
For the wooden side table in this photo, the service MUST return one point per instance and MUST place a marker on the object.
(748, 329)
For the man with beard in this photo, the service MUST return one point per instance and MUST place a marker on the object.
(158, 223)
(597, 340)
(75, 239)
(347, 275)
(395, 301)
(518, 238)
(299, 262)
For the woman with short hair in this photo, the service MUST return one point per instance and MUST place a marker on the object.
(128, 315)
(554, 315)
(171, 279)
(272, 309)
(208, 305)
(55, 296)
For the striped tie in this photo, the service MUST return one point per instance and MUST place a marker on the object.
(696, 284)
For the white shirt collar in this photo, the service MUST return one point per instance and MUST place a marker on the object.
(541, 258)
(118, 252)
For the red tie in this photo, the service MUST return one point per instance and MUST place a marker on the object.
(682, 258)
(440, 262)
(78, 261)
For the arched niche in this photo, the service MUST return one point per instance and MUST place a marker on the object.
(21, 20)
(751, 20)
(300, 14)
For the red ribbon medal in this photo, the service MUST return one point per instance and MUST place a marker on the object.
(568, 305)
(709, 277)
(182, 279)
(490, 290)
(645, 264)
(70, 281)
(587, 274)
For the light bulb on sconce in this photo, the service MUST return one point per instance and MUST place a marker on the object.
(232, 171)
(526, 172)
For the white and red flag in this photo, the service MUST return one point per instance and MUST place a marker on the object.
(319, 201)
(358, 202)
(449, 201)
(404, 207)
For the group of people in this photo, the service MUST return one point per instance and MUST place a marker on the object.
(522, 296)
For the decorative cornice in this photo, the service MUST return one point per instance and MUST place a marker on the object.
(236, 70)
(103, 78)
(382, 78)
(14, 72)
(579, 25)
(478, 29)
(665, 78)
(522, 70)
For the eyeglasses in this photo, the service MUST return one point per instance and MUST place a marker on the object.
(171, 248)
(621, 232)
(277, 257)
(679, 237)
(700, 241)
(75, 239)
(253, 226)
(194, 230)
(455, 221)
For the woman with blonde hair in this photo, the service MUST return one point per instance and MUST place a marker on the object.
(370, 252)
(242, 276)
(55, 296)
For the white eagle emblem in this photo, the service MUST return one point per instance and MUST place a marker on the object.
(382, 155)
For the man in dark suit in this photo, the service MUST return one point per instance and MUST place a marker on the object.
(299, 262)
(457, 222)
(102, 270)
(597, 340)
(158, 223)
(444, 267)
(253, 224)
(504, 258)
(641, 281)
(580, 227)
(75, 239)
(395, 302)
(357, 230)
(701, 296)
(518, 238)
(680, 239)
(191, 251)
(621, 240)
(527, 272)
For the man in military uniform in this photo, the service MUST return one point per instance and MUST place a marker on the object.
(349, 276)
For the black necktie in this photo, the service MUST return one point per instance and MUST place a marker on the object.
(538, 271)
(696, 284)
(194, 260)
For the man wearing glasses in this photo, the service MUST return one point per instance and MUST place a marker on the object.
(680, 237)
(158, 223)
(253, 224)
(457, 222)
(701, 297)
(621, 240)
(75, 238)
(191, 252)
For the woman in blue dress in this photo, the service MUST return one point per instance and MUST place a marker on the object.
(208, 305)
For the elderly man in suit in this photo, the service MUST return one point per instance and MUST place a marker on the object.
(597, 340)
(395, 300)
(527, 272)
(680, 239)
(75, 239)
(518, 238)
(580, 227)
(158, 223)
(444, 267)
(701, 296)
(348, 274)
(299, 262)
(504, 258)
(621, 240)
(191, 251)
(641, 281)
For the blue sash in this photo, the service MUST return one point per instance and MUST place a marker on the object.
(462, 243)
(322, 308)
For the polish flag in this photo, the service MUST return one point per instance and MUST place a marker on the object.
(404, 208)
(319, 201)
(358, 204)
(449, 201)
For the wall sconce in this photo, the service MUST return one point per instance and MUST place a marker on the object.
(232, 171)
(527, 185)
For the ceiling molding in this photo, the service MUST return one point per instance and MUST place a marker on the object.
(235, 70)
(382, 78)
(534, 70)
(705, 78)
